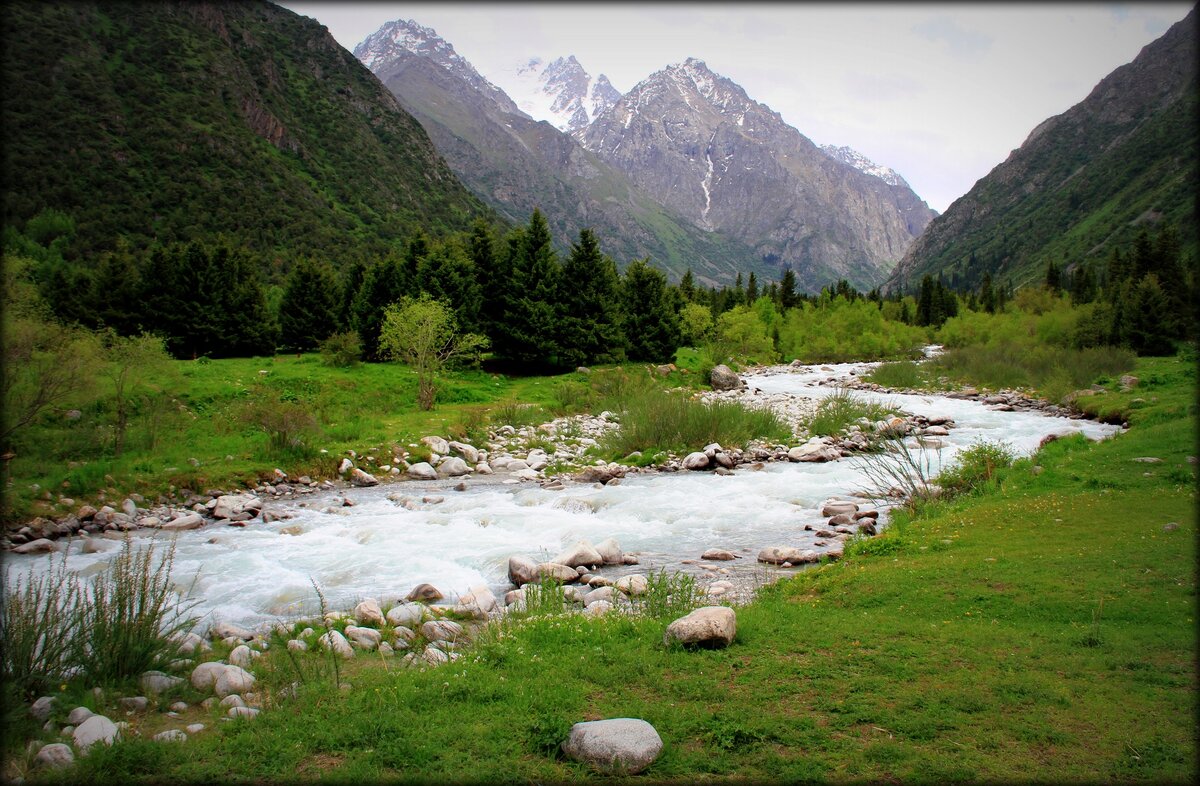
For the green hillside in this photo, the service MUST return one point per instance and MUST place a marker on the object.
(175, 121)
(1083, 183)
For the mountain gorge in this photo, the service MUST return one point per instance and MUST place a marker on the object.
(179, 121)
(1083, 183)
(671, 170)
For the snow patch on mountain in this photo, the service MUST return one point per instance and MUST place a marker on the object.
(560, 91)
(848, 155)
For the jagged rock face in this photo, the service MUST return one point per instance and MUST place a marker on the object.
(1071, 180)
(848, 155)
(696, 142)
(563, 94)
(383, 50)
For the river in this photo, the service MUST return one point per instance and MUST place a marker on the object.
(378, 548)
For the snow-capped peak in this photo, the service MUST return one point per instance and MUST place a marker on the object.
(848, 155)
(402, 37)
(560, 92)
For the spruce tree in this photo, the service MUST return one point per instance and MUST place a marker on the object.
(751, 289)
(589, 306)
(738, 296)
(687, 287)
(308, 312)
(787, 289)
(531, 321)
(384, 284)
(351, 282)
(447, 274)
(651, 324)
(115, 296)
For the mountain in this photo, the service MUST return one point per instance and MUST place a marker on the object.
(562, 93)
(515, 163)
(848, 155)
(698, 144)
(185, 120)
(1083, 182)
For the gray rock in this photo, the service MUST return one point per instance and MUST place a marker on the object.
(55, 756)
(724, 378)
(38, 546)
(453, 467)
(710, 626)
(345, 466)
(362, 479)
(43, 708)
(170, 735)
(580, 553)
(95, 729)
(230, 505)
(424, 592)
(134, 703)
(296, 645)
(406, 615)
(837, 507)
(436, 444)
(597, 608)
(778, 555)
(249, 713)
(633, 584)
(233, 700)
(194, 728)
(563, 574)
(422, 471)
(223, 630)
(233, 679)
(718, 555)
(610, 551)
(157, 682)
(696, 461)
(442, 630)
(368, 612)
(184, 522)
(468, 453)
(366, 638)
(335, 642)
(79, 715)
(624, 746)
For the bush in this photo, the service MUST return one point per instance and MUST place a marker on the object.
(130, 617)
(38, 628)
(289, 425)
(975, 467)
(341, 350)
(836, 413)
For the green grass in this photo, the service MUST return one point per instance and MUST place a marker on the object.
(1040, 630)
(836, 413)
(903, 374)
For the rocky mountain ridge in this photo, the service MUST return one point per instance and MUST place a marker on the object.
(562, 93)
(848, 155)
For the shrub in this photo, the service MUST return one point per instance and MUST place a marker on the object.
(289, 425)
(668, 595)
(841, 410)
(975, 467)
(38, 627)
(341, 350)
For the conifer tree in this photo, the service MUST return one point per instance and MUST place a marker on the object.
(738, 296)
(351, 282)
(116, 288)
(384, 284)
(530, 324)
(751, 289)
(589, 306)
(447, 274)
(308, 312)
(651, 324)
(687, 287)
(787, 289)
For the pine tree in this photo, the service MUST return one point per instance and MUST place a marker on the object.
(531, 324)
(351, 282)
(1053, 277)
(447, 273)
(751, 289)
(651, 324)
(308, 312)
(687, 287)
(1147, 333)
(116, 287)
(738, 296)
(787, 290)
(589, 306)
(383, 284)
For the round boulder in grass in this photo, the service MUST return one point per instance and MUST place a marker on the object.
(711, 627)
(623, 746)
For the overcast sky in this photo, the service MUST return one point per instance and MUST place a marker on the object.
(940, 93)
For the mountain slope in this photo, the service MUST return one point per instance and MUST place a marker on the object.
(562, 93)
(183, 120)
(1082, 182)
(697, 143)
(516, 164)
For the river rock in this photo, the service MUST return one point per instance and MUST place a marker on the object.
(468, 453)
(362, 479)
(865, 514)
(598, 607)
(835, 507)
(335, 642)
(453, 467)
(204, 676)
(95, 729)
(424, 592)
(436, 445)
(223, 630)
(598, 594)
(610, 551)
(633, 584)
(184, 522)
(422, 471)
(157, 682)
(368, 612)
(366, 638)
(580, 553)
(170, 735)
(621, 746)
(38, 546)
(406, 615)
(723, 378)
(777, 555)
(229, 505)
(441, 630)
(241, 656)
(78, 716)
(718, 555)
(55, 756)
(563, 574)
(296, 645)
(815, 450)
(434, 656)
(709, 626)
(233, 679)
(695, 461)
(249, 713)
(479, 601)
(43, 708)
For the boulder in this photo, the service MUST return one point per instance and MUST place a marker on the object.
(186, 521)
(441, 630)
(563, 574)
(223, 630)
(718, 555)
(710, 626)
(424, 592)
(241, 656)
(78, 716)
(596, 608)
(296, 645)
(38, 546)
(157, 682)
(368, 612)
(42, 708)
(234, 679)
(815, 450)
(249, 713)
(610, 551)
(468, 453)
(580, 553)
(55, 756)
(93, 730)
(170, 735)
(633, 584)
(835, 507)
(598, 594)
(365, 638)
(453, 467)
(362, 479)
(406, 615)
(229, 505)
(621, 746)
(778, 555)
(723, 378)
(436, 445)
(537, 460)
(422, 471)
(345, 466)
(335, 642)
(204, 676)
(478, 602)
(696, 461)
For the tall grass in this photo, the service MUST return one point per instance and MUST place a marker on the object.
(38, 627)
(129, 617)
(668, 595)
(898, 374)
(975, 467)
(654, 420)
(900, 472)
(838, 412)
(1053, 371)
